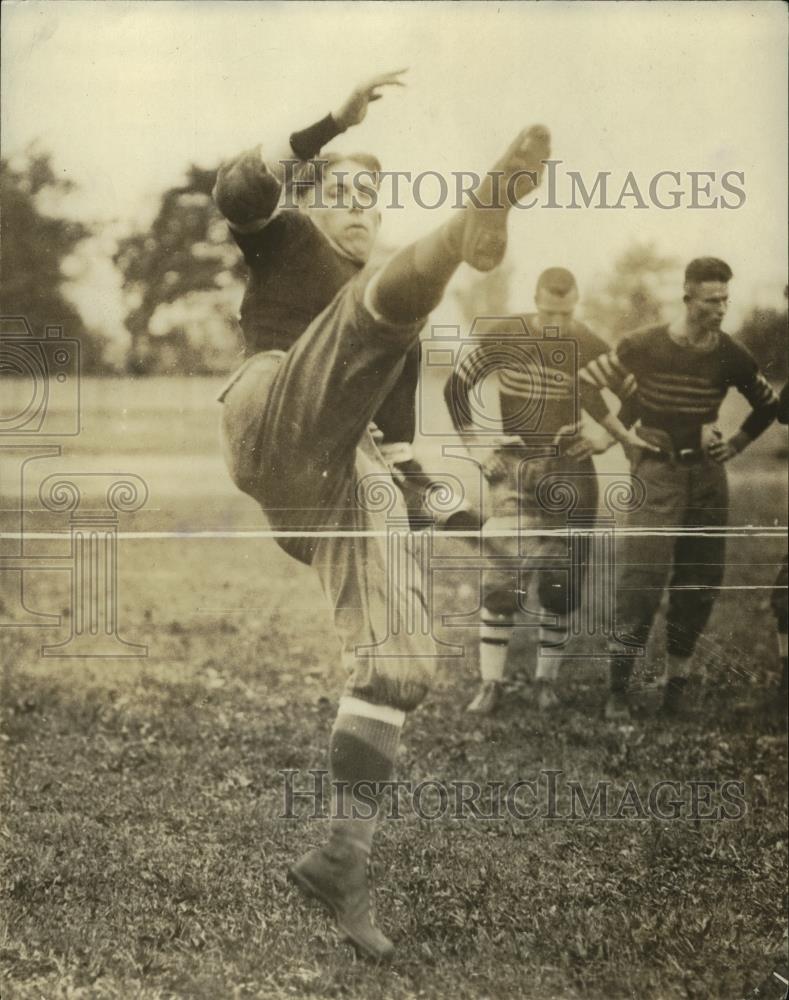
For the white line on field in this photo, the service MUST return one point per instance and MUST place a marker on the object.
(740, 532)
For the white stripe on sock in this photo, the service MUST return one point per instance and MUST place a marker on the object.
(383, 713)
(548, 668)
(495, 632)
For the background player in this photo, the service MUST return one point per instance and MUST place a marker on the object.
(780, 595)
(296, 438)
(511, 499)
(682, 371)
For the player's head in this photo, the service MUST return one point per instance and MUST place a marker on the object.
(707, 292)
(340, 194)
(556, 297)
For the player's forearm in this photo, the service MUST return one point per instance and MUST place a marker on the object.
(593, 402)
(596, 434)
(615, 427)
(457, 399)
(304, 144)
(740, 441)
(757, 422)
(310, 141)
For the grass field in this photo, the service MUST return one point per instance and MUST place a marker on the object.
(144, 852)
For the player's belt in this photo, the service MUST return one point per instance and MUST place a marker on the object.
(685, 456)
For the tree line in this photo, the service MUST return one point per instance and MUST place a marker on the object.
(182, 280)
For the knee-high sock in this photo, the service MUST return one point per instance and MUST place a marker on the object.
(550, 635)
(495, 632)
(411, 284)
(363, 749)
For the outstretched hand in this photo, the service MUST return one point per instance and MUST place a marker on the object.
(355, 108)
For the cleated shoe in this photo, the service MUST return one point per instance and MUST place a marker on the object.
(487, 699)
(336, 875)
(617, 708)
(519, 171)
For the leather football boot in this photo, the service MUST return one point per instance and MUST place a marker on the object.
(336, 875)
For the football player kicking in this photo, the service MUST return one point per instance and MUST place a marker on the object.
(333, 338)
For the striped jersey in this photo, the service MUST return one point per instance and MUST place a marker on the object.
(678, 388)
(537, 374)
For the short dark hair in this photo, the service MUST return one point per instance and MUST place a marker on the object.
(311, 172)
(557, 281)
(707, 269)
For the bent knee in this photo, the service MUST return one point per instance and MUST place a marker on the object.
(403, 690)
(501, 602)
(554, 594)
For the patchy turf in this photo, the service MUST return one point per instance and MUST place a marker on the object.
(144, 850)
(145, 853)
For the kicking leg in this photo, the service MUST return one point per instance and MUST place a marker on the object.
(411, 284)
(315, 454)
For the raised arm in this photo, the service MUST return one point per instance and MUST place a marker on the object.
(248, 187)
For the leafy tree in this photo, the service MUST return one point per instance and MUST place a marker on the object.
(35, 244)
(635, 292)
(182, 280)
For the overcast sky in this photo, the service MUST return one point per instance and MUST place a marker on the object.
(125, 95)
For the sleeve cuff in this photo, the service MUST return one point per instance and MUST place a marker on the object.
(309, 141)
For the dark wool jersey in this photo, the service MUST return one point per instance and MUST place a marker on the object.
(294, 272)
(538, 374)
(676, 388)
